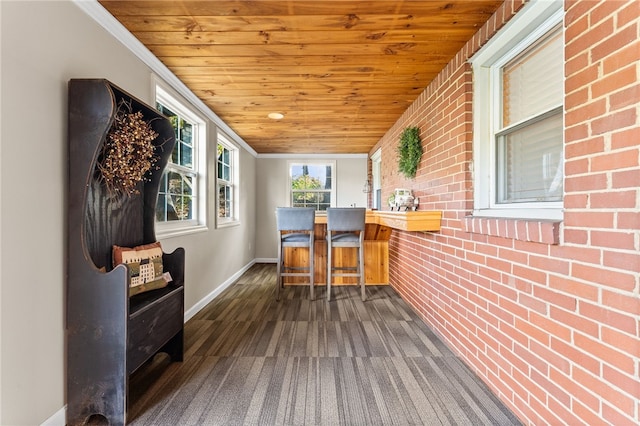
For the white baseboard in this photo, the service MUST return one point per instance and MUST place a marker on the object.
(266, 260)
(215, 293)
(58, 419)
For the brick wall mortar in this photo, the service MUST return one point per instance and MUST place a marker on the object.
(547, 313)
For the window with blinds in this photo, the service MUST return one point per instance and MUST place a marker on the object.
(529, 151)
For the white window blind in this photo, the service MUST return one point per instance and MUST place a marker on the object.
(533, 81)
(530, 160)
(529, 144)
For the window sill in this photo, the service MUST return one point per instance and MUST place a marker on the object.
(179, 232)
(543, 231)
(227, 224)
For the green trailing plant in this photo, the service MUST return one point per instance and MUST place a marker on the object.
(409, 151)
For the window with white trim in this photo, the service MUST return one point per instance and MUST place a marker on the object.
(312, 184)
(182, 193)
(227, 179)
(376, 170)
(518, 117)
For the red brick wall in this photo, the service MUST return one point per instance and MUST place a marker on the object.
(548, 314)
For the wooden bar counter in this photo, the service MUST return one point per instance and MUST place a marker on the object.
(379, 225)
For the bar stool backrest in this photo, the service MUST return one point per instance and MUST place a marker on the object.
(346, 219)
(295, 218)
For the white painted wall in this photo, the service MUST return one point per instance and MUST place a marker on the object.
(35, 69)
(272, 174)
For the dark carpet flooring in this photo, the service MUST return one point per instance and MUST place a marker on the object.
(250, 360)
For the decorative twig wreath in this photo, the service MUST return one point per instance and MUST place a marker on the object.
(409, 151)
(128, 153)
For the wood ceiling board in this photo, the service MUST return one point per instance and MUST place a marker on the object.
(197, 62)
(298, 7)
(285, 50)
(363, 22)
(342, 71)
(306, 38)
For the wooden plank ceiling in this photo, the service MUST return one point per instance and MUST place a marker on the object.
(341, 72)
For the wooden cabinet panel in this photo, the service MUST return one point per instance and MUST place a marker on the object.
(376, 262)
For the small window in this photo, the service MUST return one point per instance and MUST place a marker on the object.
(227, 178)
(518, 117)
(312, 184)
(376, 169)
(181, 192)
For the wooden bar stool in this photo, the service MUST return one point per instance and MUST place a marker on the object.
(345, 228)
(295, 229)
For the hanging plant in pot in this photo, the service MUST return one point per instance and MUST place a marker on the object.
(409, 151)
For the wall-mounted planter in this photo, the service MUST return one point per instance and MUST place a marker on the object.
(411, 221)
(409, 152)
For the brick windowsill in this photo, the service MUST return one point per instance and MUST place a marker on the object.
(533, 230)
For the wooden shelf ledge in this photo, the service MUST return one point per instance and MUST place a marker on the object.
(422, 220)
(410, 221)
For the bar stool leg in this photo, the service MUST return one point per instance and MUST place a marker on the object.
(311, 271)
(329, 270)
(361, 272)
(279, 271)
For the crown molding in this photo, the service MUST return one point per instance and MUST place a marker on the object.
(318, 156)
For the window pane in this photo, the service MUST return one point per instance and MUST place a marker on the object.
(530, 162)
(327, 183)
(226, 189)
(224, 201)
(533, 81)
(187, 185)
(310, 176)
(187, 156)
(224, 165)
(174, 119)
(175, 183)
(186, 132)
(311, 185)
(187, 210)
(175, 155)
(181, 206)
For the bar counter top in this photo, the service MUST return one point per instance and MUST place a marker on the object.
(421, 220)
